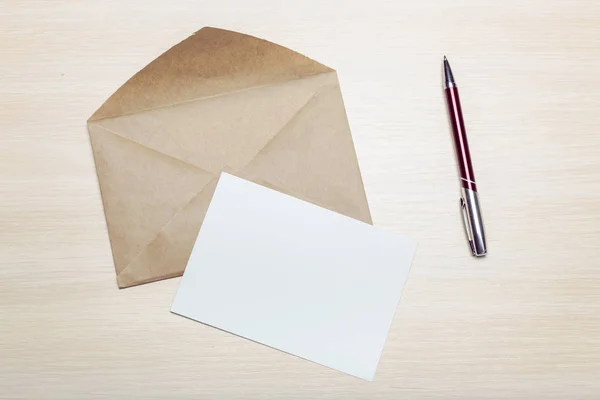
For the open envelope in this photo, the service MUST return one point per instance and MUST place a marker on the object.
(217, 101)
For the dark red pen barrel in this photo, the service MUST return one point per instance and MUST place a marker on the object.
(461, 145)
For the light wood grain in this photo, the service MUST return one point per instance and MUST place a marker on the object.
(522, 323)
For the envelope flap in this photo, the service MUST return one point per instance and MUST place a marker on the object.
(210, 62)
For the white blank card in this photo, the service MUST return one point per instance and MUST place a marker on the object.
(295, 277)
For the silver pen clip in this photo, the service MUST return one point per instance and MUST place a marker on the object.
(469, 206)
(463, 208)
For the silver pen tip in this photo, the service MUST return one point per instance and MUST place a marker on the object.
(447, 73)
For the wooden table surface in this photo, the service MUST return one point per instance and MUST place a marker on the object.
(522, 323)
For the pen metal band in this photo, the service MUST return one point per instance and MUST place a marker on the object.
(468, 184)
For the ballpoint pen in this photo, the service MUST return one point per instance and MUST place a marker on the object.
(469, 201)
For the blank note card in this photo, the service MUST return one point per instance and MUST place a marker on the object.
(295, 276)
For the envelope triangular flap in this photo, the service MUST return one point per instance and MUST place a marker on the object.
(313, 158)
(210, 62)
(142, 190)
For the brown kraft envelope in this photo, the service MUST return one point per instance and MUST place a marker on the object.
(217, 101)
